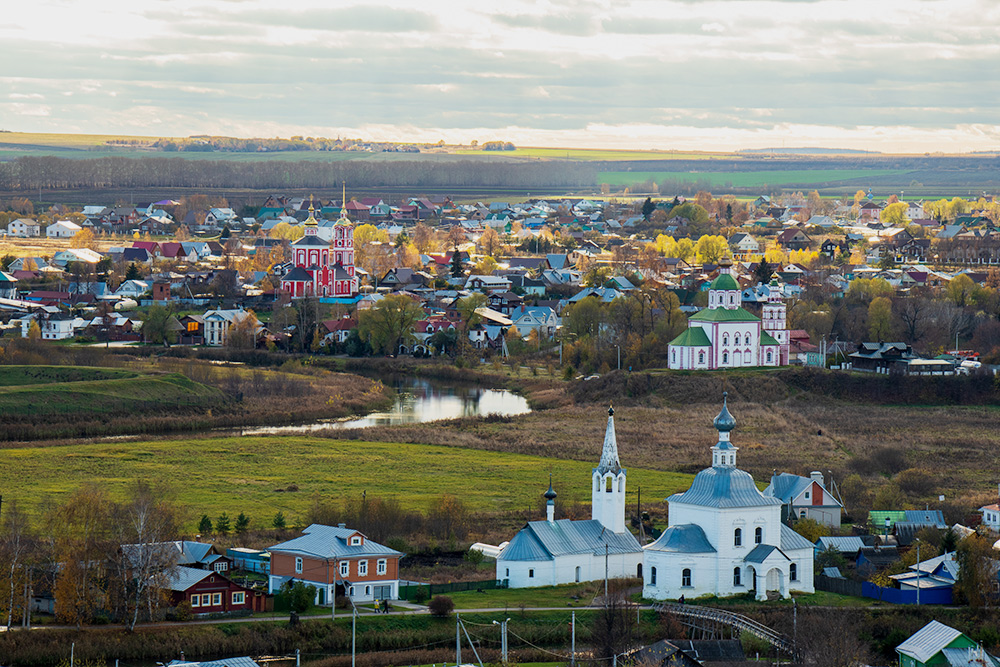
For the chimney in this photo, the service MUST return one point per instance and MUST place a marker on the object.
(341, 525)
(817, 477)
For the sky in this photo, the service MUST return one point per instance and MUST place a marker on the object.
(907, 76)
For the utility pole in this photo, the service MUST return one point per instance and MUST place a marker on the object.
(918, 560)
(605, 575)
(572, 641)
(354, 634)
(458, 641)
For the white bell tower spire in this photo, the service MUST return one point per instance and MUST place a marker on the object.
(608, 491)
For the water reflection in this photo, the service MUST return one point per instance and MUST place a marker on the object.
(420, 400)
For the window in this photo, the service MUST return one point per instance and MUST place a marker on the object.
(239, 597)
(356, 541)
(368, 590)
(195, 600)
(793, 572)
(701, 357)
(769, 356)
(686, 577)
(506, 572)
(608, 483)
(362, 568)
(725, 357)
(738, 537)
(577, 574)
(725, 339)
(737, 579)
(345, 568)
(802, 514)
(673, 356)
(807, 494)
(638, 571)
(382, 566)
(758, 535)
(652, 576)
(298, 565)
(352, 591)
(216, 599)
(220, 566)
(736, 339)
(531, 574)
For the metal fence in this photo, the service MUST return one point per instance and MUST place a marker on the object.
(891, 595)
(840, 586)
(409, 592)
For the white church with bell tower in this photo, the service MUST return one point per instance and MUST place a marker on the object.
(562, 551)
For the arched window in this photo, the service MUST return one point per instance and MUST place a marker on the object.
(608, 483)
(673, 356)
(737, 580)
(725, 357)
(652, 576)
(769, 356)
(793, 572)
(638, 571)
(732, 298)
(578, 573)
(725, 339)
(758, 535)
(686, 577)
(738, 537)
(736, 339)
(701, 357)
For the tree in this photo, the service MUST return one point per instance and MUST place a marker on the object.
(833, 639)
(205, 525)
(485, 266)
(647, 208)
(242, 334)
(390, 322)
(222, 524)
(440, 606)
(156, 327)
(711, 249)
(977, 570)
(279, 521)
(457, 270)
(614, 630)
(762, 274)
(242, 523)
(81, 539)
(422, 238)
(16, 545)
(467, 307)
(960, 289)
(489, 242)
(895, 215)
(880, 318)
(585, 317)
(300, 595)
(85, 239)
(811, 529)
(132, 272)
(34, 331)
(226, 232)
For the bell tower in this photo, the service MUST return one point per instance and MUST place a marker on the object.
(608, 490)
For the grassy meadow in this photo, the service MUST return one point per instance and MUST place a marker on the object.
(251, 474)
(747, 179)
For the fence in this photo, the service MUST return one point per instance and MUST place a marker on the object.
(890, 595)
(409, 592)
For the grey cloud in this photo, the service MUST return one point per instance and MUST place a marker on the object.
(576, 24)
(376, 19)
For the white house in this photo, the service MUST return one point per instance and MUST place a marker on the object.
(727, 335)
(133, 288)
(63, 229)
(991, 517)
(58, 326)
(743, 244)
(805, 498)
(551, 552)
(725, 537)
(535, 318)
(24, 227)
(218, 322)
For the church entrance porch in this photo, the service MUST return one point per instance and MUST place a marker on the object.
(775, 582)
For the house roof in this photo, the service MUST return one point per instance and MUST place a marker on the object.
(928, 641)
(762, 552)
(969, 657)
(790, 540)
(723, 487)
(182, 578)
(684, 538)
(332, 541)
(692, 337)
(225, 662)
(541, 540)
(841, 544)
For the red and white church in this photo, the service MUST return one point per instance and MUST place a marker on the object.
(322, 268)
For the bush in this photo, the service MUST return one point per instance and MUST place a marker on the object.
(420, 595)
(441, 606)
(300, 596)
(916, 481)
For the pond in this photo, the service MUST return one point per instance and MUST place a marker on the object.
(419, 400)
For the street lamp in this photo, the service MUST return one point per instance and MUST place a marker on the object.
(887, 522)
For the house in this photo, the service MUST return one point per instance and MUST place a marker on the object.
(133, 288)
(937, 645)
(880, 357)
(552, 552)
(541, 319)
(743, 245)
(24, 227)
(487, 284)
(806, 498)
(192, 331)
(873, 559)
(339, 330)
(59, 326)
(991, 517)
(794, 239)
(218, 322)
(210, 592)
(939, 572)
(504, 302)
(63, 229)
(725, 537)
(337, 561)
(27, 264)
(8, 286)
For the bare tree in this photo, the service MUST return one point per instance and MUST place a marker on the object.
(833, 639)
(615, 625)
(16, 545)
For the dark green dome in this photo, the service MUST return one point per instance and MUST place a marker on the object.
(724, 281)
(725, 421)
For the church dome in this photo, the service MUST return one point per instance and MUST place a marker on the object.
(724, 282)
(551, 493)
(723, 487)
(725, 422)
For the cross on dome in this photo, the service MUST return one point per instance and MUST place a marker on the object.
(724, 452)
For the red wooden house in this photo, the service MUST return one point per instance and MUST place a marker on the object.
(210, 592)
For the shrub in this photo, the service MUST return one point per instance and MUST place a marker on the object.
(441, 606)
(420, 595)
(916, 481)
(300, 596)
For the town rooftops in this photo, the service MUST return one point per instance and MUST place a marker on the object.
(182, 578)
(541, 540)
(332, 541)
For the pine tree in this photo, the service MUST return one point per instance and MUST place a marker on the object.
(205, 525)
(762, 274)
(222, 524)
(242, 523)
(456, 264)
(132, 272)
(279, 520)
(648, 207)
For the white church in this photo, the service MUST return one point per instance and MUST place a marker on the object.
(551, 552)
(727, 335)
(725, 537)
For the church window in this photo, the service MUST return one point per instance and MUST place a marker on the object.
(725, 357)
(732, 298)
(737, 581)
(701, 357)
(725, 339)
(608, 484)
(638, 571)
(769, 356)
(531, 574)
(652, 576)
(758, 535)
(738, 537)
(686, 577)
(673, 356)
(578, 573)
(736, 339)
(793, 572)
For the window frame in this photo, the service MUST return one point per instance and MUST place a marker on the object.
(362, 568)
(737, 578)
(216, 599)
(196, 600)
(345, 568)
(737, 537)
(239, 597)
(298, 565)
(382, 566)
(793, 572)
(758, 535)
(686, 578)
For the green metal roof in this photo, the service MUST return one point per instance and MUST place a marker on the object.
(877, 517)
(692, 337)
(724, 281)
(767, 339)
(724, 315)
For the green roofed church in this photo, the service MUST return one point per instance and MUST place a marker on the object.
(726, 335)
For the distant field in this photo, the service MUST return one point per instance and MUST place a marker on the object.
(587, 154)
(66, 141)
(216, 475)
(110, 392)
(12, 376)
(746, 179)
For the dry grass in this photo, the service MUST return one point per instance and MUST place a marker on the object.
(46, 247)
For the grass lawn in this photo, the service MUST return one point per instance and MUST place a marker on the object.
(514, 598)
(244, 474)
(746, 179)
(817, 599)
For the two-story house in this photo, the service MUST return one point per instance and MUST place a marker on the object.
(805, 498)
(337, 561)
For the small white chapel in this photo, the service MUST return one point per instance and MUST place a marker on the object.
(551, 552)
(725, 537)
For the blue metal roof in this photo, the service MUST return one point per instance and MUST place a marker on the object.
(926, 517)
(969, 657)
(685, 538)
(786, 486)
(331, 542)
(790, 540)
(226, 662)
(182, 578)
(840, 544)
(541, 540)
(761, 552)
(832, 572)
(723, 487)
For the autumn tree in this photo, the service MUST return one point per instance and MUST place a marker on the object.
(467, 307)
(485, 266)
(85, 239)
(242, 333)
(977, 570)
(960, 289)
(894, 215)
(710, 249)
(390, 322)
(489, 242)
(880, 318)
(422, 238)
(157, 326)
(81, 534)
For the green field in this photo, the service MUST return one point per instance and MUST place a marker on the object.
(113, 392)
(13, 376)
(241, 474)
(747, 179)
(592, 154)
